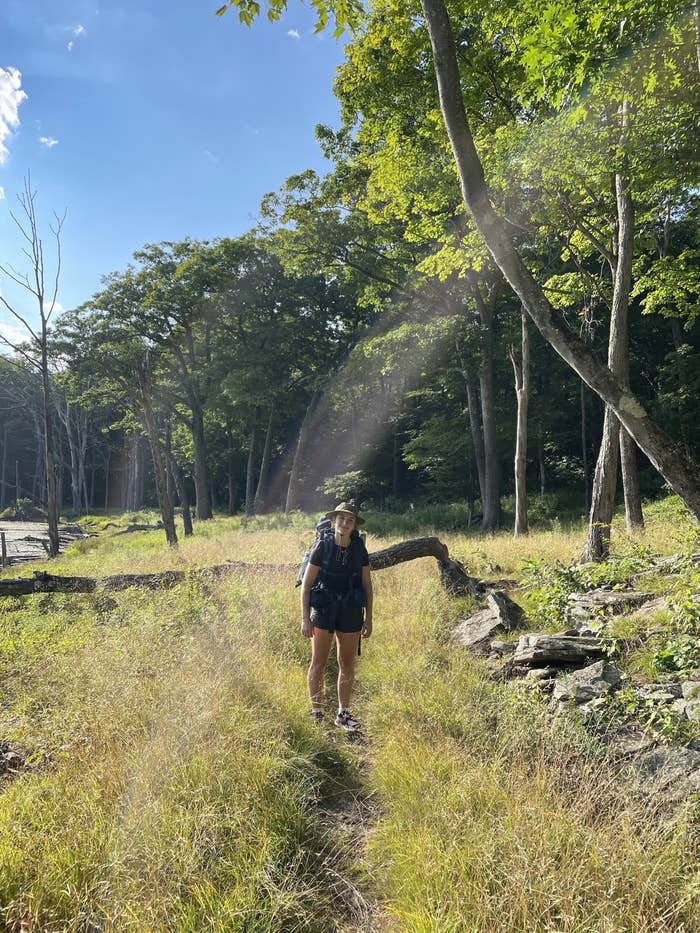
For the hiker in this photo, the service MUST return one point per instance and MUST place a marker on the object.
(336, 599)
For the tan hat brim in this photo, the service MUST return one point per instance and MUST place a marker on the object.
(358, 519)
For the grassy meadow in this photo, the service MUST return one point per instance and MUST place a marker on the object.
(174, 781)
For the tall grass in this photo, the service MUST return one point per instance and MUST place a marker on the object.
(175, 782)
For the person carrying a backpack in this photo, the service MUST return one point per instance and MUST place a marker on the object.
(336, 599)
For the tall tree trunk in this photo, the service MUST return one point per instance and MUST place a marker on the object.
(584, 448)
(395, 463)
(630, 483)
(52, 501)
(3, 468)
(491, 501)
(605, 480)
(232, 484)
(293, 488)
(108, 458)
(264, 466)
(668, 457)
(150, 425)
(201, 474)
(68, 423)
(474, 406)
(181, 487)
(250, 477)
(521, 371)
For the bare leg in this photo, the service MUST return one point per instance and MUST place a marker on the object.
(347, 649)
(321, 642)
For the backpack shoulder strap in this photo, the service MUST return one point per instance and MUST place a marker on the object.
(328, 539)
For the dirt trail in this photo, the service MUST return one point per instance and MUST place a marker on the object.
(347, 815)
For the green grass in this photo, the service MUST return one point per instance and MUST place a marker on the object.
(175, 782)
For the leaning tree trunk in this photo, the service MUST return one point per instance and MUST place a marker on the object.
(521, 372)
(264, 467)
(667, 456)
(304, 432)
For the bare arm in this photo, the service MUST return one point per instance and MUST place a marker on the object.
(369, 600)
(310, 575)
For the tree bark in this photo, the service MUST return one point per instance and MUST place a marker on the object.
(293, 487)
(667, 456)
(521, 371)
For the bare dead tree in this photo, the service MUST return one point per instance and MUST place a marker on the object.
(35, 350)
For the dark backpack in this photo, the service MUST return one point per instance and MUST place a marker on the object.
(323, 526)
(325, 533)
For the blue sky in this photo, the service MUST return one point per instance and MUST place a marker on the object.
(151, 121)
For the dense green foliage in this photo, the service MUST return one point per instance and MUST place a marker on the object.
(362, 327)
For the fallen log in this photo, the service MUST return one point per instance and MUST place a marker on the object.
(131, 528)
(452, 574)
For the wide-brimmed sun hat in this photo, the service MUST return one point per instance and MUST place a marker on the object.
(349, 509)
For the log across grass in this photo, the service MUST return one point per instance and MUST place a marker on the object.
(172, 779)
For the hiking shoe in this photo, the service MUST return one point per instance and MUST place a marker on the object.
(316, 715)
(345, 721)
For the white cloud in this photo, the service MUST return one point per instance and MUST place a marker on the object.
(78, 30)
(13, 334)
(2, 193)
(48, 141)
(11, 96)
(293, 33)
(210, 157)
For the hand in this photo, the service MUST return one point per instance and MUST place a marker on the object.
(307, 628)
(367, 628)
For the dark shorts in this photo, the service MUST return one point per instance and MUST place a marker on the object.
(339, 618)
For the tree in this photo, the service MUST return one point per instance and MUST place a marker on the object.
(35, 352)
(666, 455)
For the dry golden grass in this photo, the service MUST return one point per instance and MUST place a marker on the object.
(177, 784)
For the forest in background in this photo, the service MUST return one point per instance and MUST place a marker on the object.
(361, 340)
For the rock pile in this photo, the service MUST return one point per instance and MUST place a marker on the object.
(575, 670)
